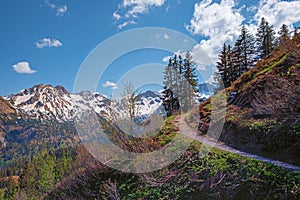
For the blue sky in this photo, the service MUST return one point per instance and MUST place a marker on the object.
(47, 41)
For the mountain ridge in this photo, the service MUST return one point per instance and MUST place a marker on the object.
(44, 115)
(44, 101)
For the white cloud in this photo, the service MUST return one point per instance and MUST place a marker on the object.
(166, 59)
(61, 10)
(111, 85)
(126, 24)
(116, 15)
(48, 42)
(166, 36)
(219, 23)
(140, 6)
(203, 55)
(130, 9)
(23, 68)
(251, 9)
(178, 53)
(278, 12)
(51, 5)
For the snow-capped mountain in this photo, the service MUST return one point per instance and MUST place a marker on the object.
(146, 103)
(43, 101)
(48, 102)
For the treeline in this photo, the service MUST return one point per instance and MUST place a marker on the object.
(247, 50)
(180, 84)
(36, 176)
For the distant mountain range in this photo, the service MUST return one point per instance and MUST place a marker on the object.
(44, 115)
(45, 102)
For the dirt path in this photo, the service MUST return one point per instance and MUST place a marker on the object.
(186, 130)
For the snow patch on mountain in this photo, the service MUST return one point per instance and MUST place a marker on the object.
(47, 102)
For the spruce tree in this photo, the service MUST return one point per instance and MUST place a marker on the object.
(180, 81)
(244, 50)
(168, 95)
(175, 84)
(284, 35)
(222, 66)
(265, 39)
(231, 73)
(190, 80)
(225, 66)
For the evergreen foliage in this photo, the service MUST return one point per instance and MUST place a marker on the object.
(265, 38)
(180, 82)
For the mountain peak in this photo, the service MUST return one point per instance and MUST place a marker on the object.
(44, 101)
(61, 90)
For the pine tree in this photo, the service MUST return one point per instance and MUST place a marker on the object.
(284, 35)
(180, 81)
(225, 66)
(265, 39)
(222, 65)
(190, 80)
(168, 95)
(244, 51)
(28, 180)
(66, 162)
(231, 73)
(180, 76)
(175, 84)
(45, 164)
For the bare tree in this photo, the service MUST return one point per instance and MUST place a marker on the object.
(130, 98)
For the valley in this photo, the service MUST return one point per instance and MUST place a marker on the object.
(224, 123)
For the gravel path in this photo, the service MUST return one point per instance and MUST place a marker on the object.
(186, 130)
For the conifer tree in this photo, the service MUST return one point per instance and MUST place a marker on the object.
(244, 52)
(231, 73)
(175, 84)
(222, 65)
(265, 39)
(284, 35)
(225, 66)
(168, 95)
(190, 81)
(180, 81)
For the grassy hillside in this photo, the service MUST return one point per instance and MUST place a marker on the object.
(75, 174)
(219, 175)
(263, 115)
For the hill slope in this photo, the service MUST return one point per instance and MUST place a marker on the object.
(263, 115)
(44, 115)
(218, 175)
(7, 112)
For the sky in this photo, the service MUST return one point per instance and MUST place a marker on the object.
(53, 41)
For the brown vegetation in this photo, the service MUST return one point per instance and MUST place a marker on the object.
(263, 115)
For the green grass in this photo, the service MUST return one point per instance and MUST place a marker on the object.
(272, 66)
(167, 133)
(243, 178)
(250, 178)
